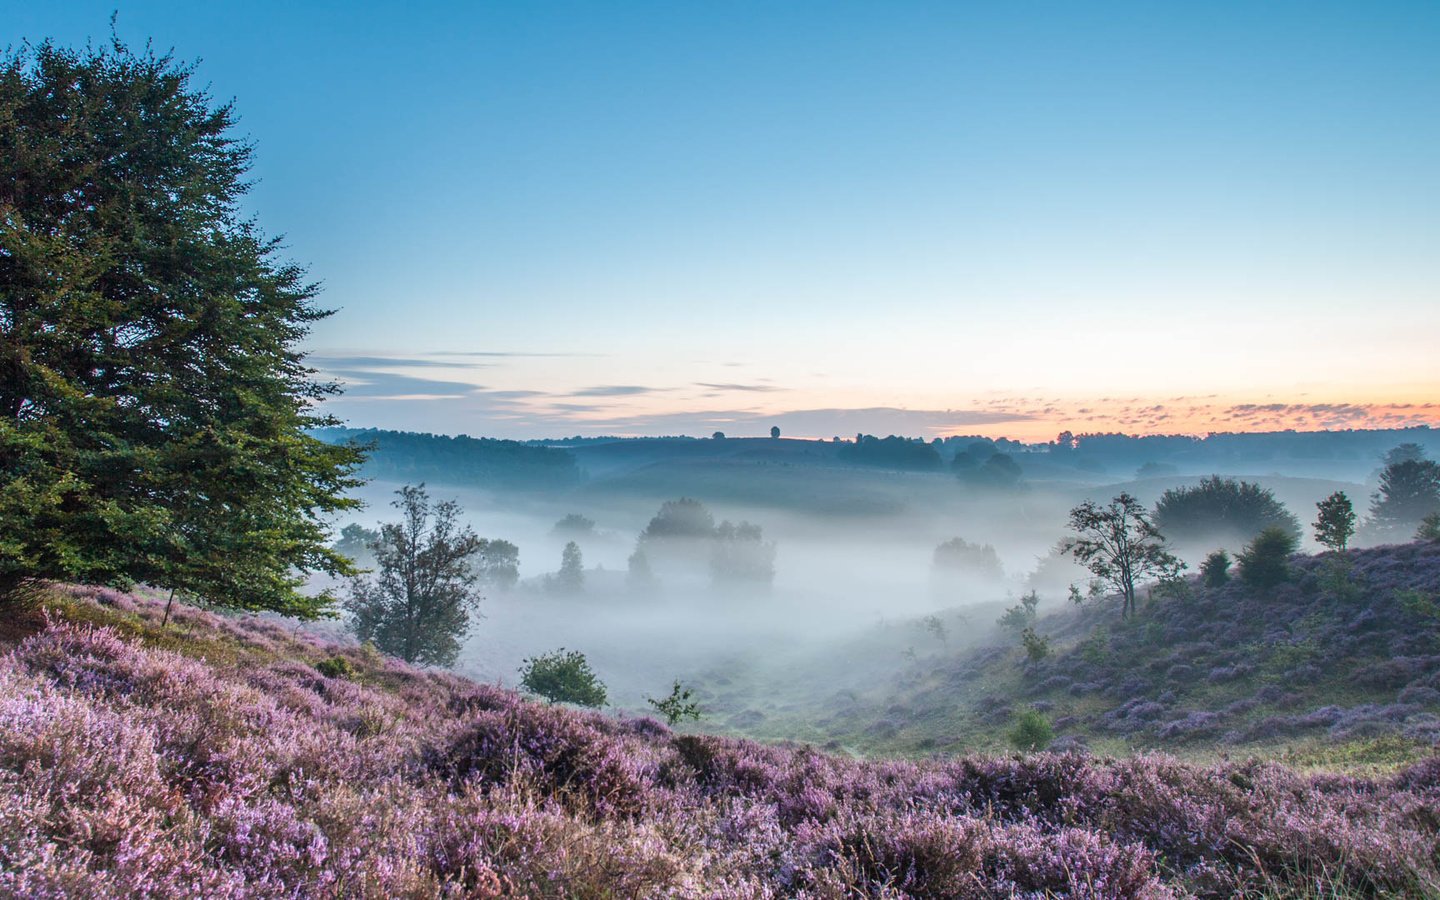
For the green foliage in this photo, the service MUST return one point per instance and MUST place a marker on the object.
(1220, 509)
(154, 404)
(1335, 521)
(336, 667)
(417, 606)
(1215, 570)
(1337, 580)
(678, 706)
(563, 676)
(1418, 604)
(1429, 529)
(1265, 562)
(1409, 492)
(1031, 731)
(1288, 657)
(571, 577)
(1036, 646)
(1096, 648)
(1120, 546)
(1020, 616)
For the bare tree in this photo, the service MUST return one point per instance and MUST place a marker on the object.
(1120, 545)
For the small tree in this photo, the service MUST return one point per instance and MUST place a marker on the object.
(571, 577)
(1120, 546)
(678, 706)
(563, 677)
(774, 432)
(1020, 616)
(1335, 522)
(1037, 647)
(1215, 570)
(1266, 561)
(1031, 731)
(418, 605)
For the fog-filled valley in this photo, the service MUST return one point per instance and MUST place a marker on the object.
(853, 597)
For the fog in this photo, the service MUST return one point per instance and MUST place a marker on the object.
(847, 606)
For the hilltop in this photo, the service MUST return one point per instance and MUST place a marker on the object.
(1323, 668)
(234, 756)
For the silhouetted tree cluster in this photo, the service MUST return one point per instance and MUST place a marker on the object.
(890, 452)
(1409, 491)
(741, 555)
(1220, 510)
(959, 556)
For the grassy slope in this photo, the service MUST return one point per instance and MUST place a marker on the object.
(1316, 671)
(213, 758)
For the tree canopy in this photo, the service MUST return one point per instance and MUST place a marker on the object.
(418, 605)
(1220, 510)
(154, 404)
(1120, 546)
(1409, 491)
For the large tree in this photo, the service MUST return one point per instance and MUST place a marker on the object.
(1220, 511)
(154, 405)
(1120, 546)
(418, 605)
(1409, 491)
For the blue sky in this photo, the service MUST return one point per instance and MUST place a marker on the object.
(927, 218)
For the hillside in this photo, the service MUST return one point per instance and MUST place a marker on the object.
(235, 757)
(1321, 668)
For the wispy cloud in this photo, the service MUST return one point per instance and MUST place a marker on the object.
(387, 362)
(756, 388)
(615, 390)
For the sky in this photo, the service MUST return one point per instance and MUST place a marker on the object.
(548, 219)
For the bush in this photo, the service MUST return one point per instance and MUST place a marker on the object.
(1031, 732)
(563, 677)
(1265, 562)
(336, 667)
(1215, 570)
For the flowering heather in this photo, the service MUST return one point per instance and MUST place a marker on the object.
(128, 769)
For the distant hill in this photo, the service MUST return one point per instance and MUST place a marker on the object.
(441, 459)
(233, 757)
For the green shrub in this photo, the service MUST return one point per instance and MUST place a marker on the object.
(1215, 570)
(336, 667)
(1266, 561)
(1031, 732)
(563, 677)
(677, 706)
